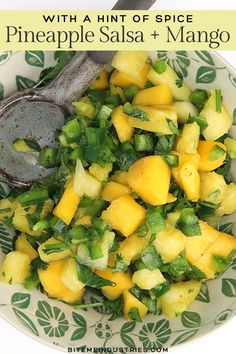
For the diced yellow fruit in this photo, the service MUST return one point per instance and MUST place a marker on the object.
(171, 198)
(84, 220)
(120, 177)
(124, 215)
(204, 149)
(20, 146)
(67, 205)
(184, 109)
(149, 177)
(50, 279)
(122, 282)
(121, 123)
(212, 187)
(7, 208)
(20, 221)
(196, 246)
(228, 205)
(172, 218)
(69, 276)
(23, 246)
(131, 248)
(164, 107)
(223, 246)
(101, 81)
(15, 268)
(47, 208)
(114, 190)
(122, 80)
(169, 243)
(153, 96)
(190, 180)
(147, 279)
(188, 142)
(219, 123)
(85, 183)
(157, 122)
(130, 302)
(170, 78)
(84, 106)
(52, 256)
(130, 63)
(184, 158)
(116, 90)
(179, 297)
(99, 172)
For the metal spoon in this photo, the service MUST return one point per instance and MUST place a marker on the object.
(38, 113)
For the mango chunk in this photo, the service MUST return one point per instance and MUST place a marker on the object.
(130, 302)
(120, 177)
(154, 96)
(122, 280)
(101, 81)
(67, 205)
(120, 79)
(114, 190)
(50, 279)
(190, 180)
(183, 158)
(120, 120)
(209, 160)
(149, 177)
(178, 298)
(124, 215)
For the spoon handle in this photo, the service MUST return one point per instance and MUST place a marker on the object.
(77, 76)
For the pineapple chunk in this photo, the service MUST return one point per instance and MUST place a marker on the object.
(130, 63)
(183, 158)
(184, 109)
(101, 81)
(168, 76)
(131, 248)
(157, 122)
(122, 282)
(178, 298)
(50, 279)
(20, 221)
(212, 187)
(99, 172)
(190, 181)
(188, 142)
(120, 177)
(149, 177)
(154, 96)
(114, 190)
(228, 205)
(83, 220)
(205, 150)
(120, 120)
(52, 256)
(122, 80)
(169, 243)
(124, 215)
(85, 183)
(147, 279)
(7, 208)
(84, 106)
(69, 276)
(23, 246)
(130, 302)
(15, 268)
(67, 205)
(218, 122)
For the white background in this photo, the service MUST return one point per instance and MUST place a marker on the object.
(221, 340)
